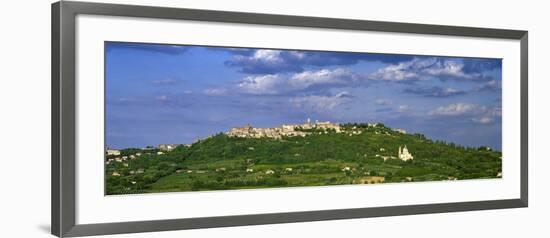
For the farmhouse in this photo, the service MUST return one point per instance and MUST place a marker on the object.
(167, 147)
(113, 152)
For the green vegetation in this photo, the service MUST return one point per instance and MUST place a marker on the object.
(355, 156)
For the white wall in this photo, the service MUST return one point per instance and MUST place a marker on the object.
(25, 117)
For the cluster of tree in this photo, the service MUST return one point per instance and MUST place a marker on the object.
(317, 159)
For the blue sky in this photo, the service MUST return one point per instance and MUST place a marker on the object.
(176, 94)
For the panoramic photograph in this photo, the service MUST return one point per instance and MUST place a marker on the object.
(184, 118)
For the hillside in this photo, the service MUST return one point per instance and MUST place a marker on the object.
(360, 154)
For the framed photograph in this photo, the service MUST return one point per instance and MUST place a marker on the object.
(167, 119)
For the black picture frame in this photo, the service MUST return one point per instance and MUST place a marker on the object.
(64, 107)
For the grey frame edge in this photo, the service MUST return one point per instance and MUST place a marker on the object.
(63, 213)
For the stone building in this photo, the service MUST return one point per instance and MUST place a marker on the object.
(113, 152)
(167, 147)
(402, 131)
(404, 154)
(289, 130)
(328, 125)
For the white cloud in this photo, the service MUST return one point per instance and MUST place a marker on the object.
(268, 55)
(420, 69)
(489, 86)
(396, 72)
(278, 84)
(263, 84)
(476, 113)
(297, 54)
(449, 91)
(483, 120)
(344, 94)
(263, 62)
(488, 115)
(324, 76)
(260, 56)
(454, 109)
(403, 108)
(162, 98)
(383, 102)
(450, 68)
(215, 91)
(434, 91)
(320, 103)
(415, 69)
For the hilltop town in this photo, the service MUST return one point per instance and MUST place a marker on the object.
(291, 130)
(285, 130)
(307, 128)
(303, 154)
(288, 130)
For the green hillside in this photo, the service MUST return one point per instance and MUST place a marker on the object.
(355, 156)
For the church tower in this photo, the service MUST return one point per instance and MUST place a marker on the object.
(399, 153)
